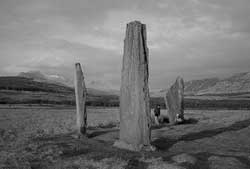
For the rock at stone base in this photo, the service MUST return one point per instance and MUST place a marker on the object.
(174, 99)
(216, 162)
(184, 158)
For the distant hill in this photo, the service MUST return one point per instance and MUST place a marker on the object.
(195, 86)
(237, 84)
(28, 84)
(95, 89)
(34, 75)
(38, 76)
(23, 90)
(233, 85)
(17, 90)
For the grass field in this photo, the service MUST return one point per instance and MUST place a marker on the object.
(26, 121)
(41, 137)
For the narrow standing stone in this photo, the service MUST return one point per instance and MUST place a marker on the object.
(175, 101)
(81, 95)
(134, 93)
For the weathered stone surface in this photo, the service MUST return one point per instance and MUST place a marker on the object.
(216, 162)
(174, 101)
(184, 158)
(81, 94)
(134, 93)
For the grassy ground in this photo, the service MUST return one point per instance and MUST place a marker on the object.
(38, 137)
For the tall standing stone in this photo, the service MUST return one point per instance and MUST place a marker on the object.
(175, 101)
(134, 93)
(81, 95)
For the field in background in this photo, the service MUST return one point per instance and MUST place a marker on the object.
(20, 90)
(29, 98)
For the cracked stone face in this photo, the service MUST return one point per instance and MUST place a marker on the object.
(134, 93)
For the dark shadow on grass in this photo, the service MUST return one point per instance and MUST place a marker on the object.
(165, 123)
(70, 152)
(136, 164)
(104, 126)
(163, 143)
(98, 133)
(202, 159)
(189, 121)
(210, 133)
(71, 147)
(202, 162)
(101, 131)
(159, 126)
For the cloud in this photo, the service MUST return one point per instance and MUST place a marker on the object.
(92, 40)
(194, 39)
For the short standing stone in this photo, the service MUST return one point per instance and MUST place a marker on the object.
(175, 101)
(81, 94)
(134, 94)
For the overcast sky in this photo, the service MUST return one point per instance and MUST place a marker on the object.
(191, 38)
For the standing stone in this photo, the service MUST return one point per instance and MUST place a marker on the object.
(81, 95)
(175, 101)
(134, 93)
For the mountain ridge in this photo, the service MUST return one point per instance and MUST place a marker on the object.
(60, 80)
(238, 83)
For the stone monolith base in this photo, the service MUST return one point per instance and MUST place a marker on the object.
(174, 101)
(134, 93)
